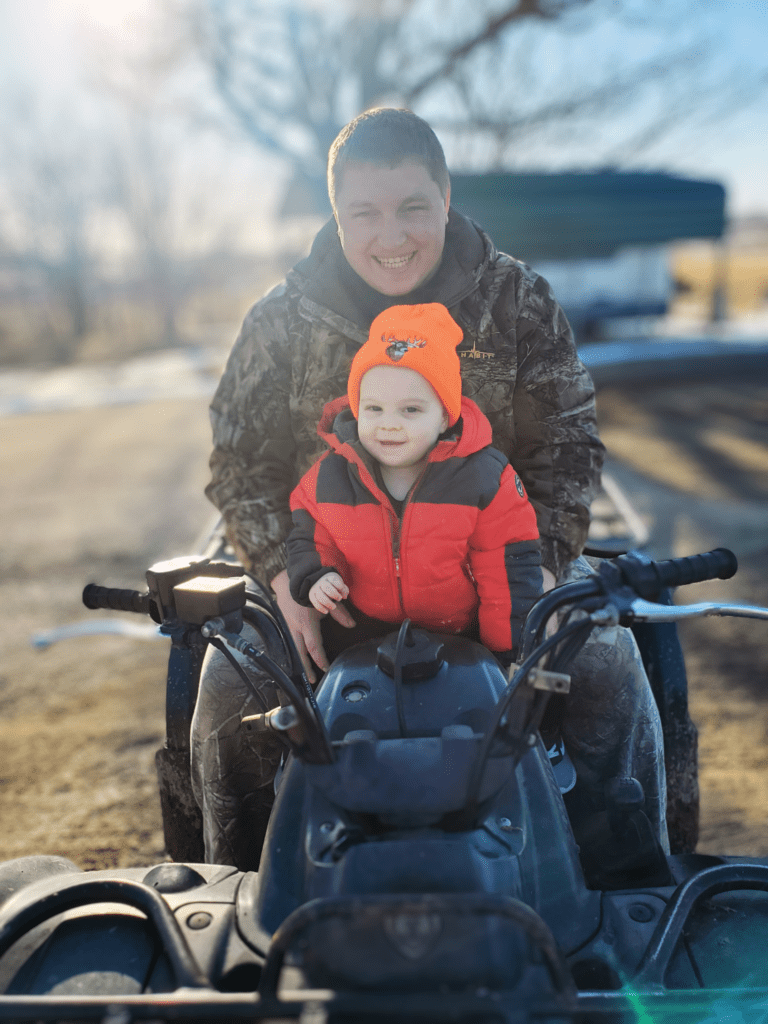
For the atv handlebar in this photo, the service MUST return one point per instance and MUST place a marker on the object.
(118, 600)
(649, 578)
(615, 594)
(619, 592)
(646, 578)
(620, 581)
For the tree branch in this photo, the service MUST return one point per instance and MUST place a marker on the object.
(614, 91)
(522, 10)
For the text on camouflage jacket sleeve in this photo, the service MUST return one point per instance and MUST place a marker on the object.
(253, 465)
(559, 454)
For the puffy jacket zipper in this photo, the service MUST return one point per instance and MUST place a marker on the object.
(396, 534)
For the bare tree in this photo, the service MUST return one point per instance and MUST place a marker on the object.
(51, 181)
(146, 187)
(292, 72)
(104, 208)
(178, 221)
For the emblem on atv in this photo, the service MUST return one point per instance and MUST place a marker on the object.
(397, 347)
(414, 934)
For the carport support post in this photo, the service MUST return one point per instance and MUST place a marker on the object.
(719, 303)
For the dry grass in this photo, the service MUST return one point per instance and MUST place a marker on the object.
(124, 320)
(744, 273)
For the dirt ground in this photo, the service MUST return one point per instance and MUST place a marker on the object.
(97, 495)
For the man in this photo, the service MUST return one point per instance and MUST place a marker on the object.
(394, 240)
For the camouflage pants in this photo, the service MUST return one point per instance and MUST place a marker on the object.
(610, 723)
(610, 726)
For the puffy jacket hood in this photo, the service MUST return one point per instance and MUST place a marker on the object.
(338, 428)
(326, 279)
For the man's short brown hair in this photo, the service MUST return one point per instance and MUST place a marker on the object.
(387, 136)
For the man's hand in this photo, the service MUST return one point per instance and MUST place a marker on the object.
(326, 593)
(304, 624)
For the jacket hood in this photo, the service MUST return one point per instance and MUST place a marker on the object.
(338, 428)
(326, 279)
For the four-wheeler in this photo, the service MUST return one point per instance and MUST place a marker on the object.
(420, 863)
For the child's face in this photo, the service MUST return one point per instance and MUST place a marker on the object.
(400, 416)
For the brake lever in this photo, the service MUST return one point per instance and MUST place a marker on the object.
(640, 610)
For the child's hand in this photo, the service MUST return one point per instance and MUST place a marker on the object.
(327, 591)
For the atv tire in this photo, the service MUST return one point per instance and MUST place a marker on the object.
(182, 820)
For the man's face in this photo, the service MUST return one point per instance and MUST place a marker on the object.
(400, 416)
(391, 224)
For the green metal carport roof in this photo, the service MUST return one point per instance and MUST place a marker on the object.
(572, 215)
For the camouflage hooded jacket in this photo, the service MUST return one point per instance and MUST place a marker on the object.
(519, 364)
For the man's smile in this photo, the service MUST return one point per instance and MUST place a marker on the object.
(394, 262)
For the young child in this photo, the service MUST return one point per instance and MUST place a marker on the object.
(412, 513)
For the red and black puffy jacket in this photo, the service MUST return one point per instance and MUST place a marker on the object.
(465, 543)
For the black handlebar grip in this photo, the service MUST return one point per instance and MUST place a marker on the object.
(119, 600)
(649, 578)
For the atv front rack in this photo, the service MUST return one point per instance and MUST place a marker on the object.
(643, 997)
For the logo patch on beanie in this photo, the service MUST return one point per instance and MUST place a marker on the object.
(397, 347)
(519, 486)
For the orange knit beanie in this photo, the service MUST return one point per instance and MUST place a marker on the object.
(421, 338)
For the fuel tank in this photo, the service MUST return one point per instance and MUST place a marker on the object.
(390, 815)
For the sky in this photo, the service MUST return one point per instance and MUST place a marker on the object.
(53, 45)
